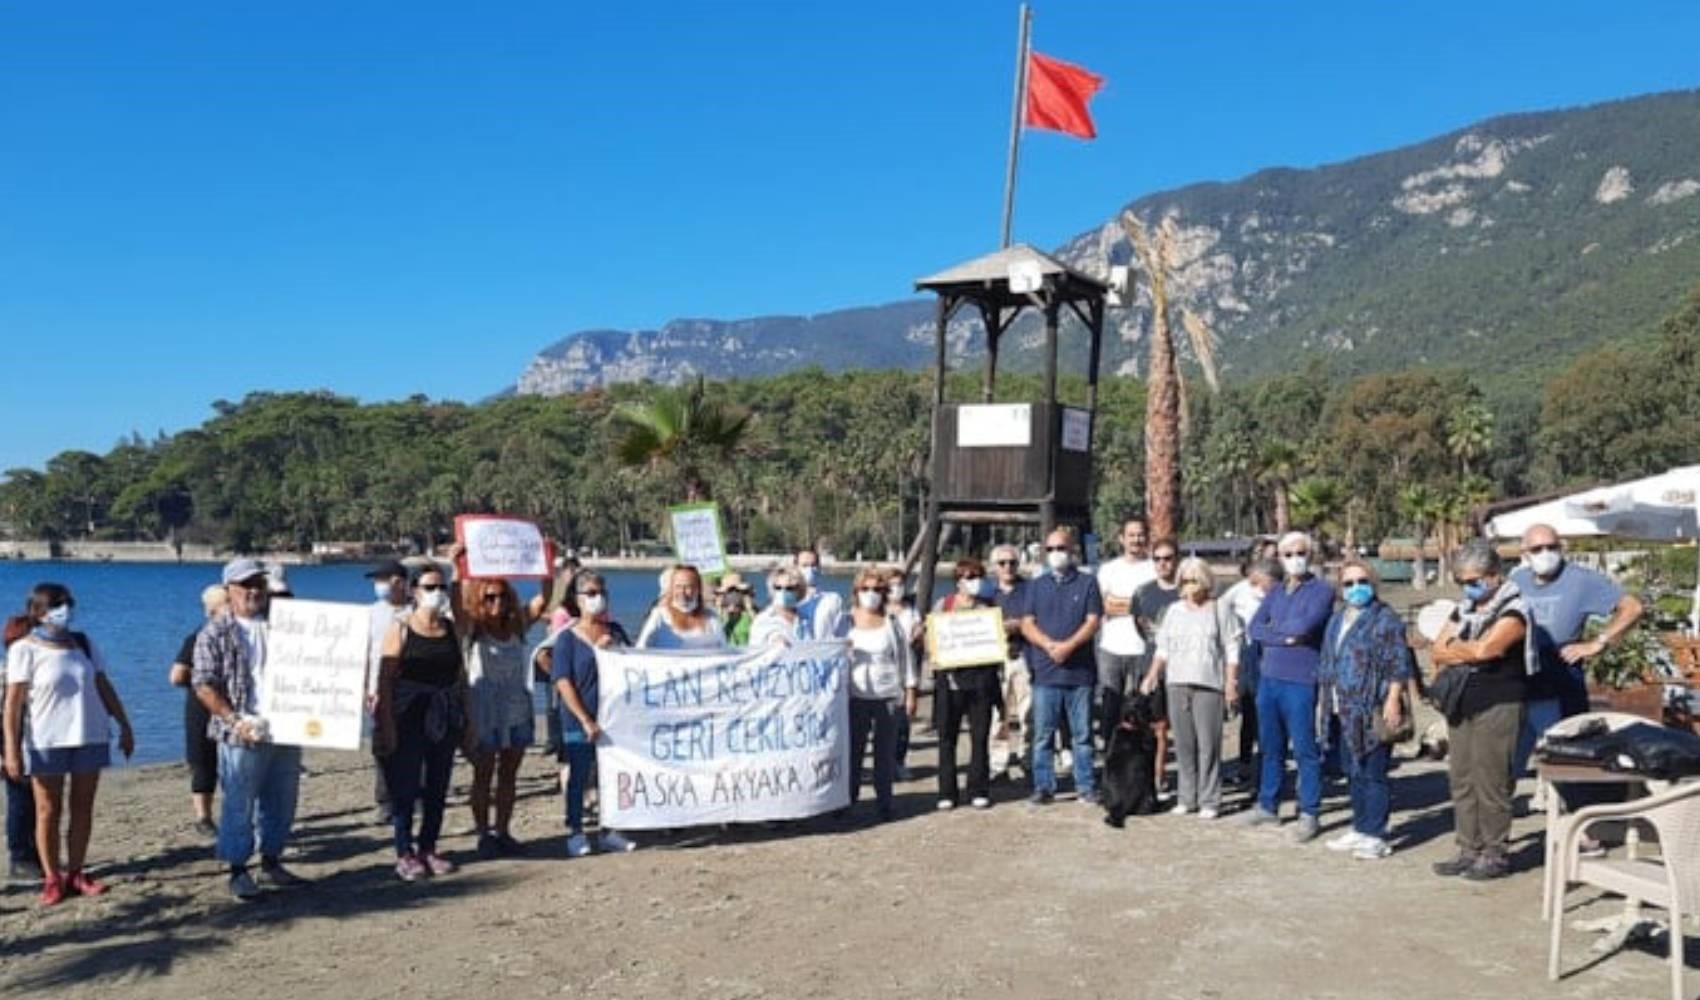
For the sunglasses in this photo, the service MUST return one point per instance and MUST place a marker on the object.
(1354, 581)
(1057, 548)
(786, 589)
(1533, 549)
(590, 593)
(870, 590)
(495, 599)
(1007, 562)
(432, 588)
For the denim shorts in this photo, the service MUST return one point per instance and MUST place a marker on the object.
(505, 738)
(48, 761)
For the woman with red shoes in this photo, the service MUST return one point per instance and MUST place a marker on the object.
(58, 709)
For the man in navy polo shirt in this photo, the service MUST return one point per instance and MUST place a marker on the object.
(1059, 618)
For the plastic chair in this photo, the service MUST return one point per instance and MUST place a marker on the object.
(1557, 822)
(1671, 882)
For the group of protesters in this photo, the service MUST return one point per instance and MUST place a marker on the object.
(1313, 669)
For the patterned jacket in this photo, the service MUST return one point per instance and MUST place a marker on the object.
(221, 663)
(1357, 672)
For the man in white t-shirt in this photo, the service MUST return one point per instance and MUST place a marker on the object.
(1122, 656)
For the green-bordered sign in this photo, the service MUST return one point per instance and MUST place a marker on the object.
(699, 538)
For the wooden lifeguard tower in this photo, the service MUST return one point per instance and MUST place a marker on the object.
(1011, 463)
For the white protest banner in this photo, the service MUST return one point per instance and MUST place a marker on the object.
(313, 688)
(967, 638)
(705, 738)
(504, 547)
(697, 537)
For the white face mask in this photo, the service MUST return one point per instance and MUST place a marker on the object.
(870, 600)
(58, 616)
(1295, 565)
(685, 605)
(894, 591)
(381, 591)
(592, 605)
(1546, 563)
(969, 586)
(433, 600)
(810, 574)
(1059, 561)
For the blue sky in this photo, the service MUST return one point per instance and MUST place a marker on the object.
(198, 200)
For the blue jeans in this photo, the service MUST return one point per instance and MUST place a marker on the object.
(260, 784)
(1287, 711)
(581, 757)
(1372, 797)
(1049, 706)
(1537, 717)
(20, 819)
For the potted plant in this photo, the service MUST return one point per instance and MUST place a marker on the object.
(1630, 674)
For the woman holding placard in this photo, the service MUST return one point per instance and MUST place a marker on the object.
(573, 670)
(492, 623)
(881, 669)
(680, 621)
(966, 692)
(422, 715)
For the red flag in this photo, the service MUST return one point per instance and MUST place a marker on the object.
(1057, 93)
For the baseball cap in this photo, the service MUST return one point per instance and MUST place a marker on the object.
(387, 569)
(242, 568)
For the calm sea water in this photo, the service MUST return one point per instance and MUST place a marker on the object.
(139, 613)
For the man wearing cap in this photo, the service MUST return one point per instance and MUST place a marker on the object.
(389, 585)
(260, 778)
(736, 613)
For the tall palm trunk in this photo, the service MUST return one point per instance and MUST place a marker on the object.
(1162, 401)
(1283, 509)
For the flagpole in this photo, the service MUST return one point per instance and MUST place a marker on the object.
(1015, 114)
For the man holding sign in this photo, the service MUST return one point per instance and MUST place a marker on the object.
(260, 779)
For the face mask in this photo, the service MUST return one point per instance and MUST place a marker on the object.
(58, 616)
(785, 598)
(1059, 561)
(1359, 594)
(685, 605)
(1546, 563)
(870, 599)
(1295, 565)
(381, 591)
(969, 586)
(1476, 591)
(593, 605)
(810, 574)
(433, 600)
(894, 591)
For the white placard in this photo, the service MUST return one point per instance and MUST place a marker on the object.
(1076, 429)
(313, 686)
(994, 425)
(697, 538)
(967, 638)
(502, 547)
(706, 738)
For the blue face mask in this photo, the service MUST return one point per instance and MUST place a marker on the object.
(1476, 591)
(787, 598)
(1359, 595)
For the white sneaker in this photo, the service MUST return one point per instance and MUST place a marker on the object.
(1207, 813)
(945, 805)
(1351, 840)
(1180, 809)
(981, 802)
(1372, 849)
(578, 845)
(612, 843)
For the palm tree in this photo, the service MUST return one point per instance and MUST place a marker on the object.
(1417, 503)
(1163, 415)
(681, 430)
(1315, 502)
(1469, 434)
(1277, 465)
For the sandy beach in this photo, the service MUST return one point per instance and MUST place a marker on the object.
(1002, 903)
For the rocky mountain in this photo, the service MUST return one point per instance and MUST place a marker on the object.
(1508, 245)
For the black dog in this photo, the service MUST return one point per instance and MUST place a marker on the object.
(1129, 779)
